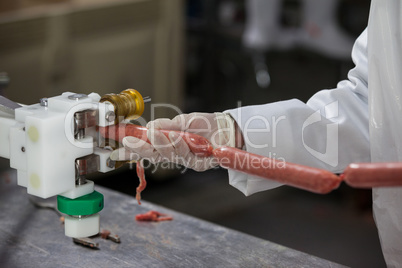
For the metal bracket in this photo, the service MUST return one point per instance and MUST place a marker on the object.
(8, 106)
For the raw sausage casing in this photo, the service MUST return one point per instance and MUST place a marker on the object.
(197, 144)
(307, 178)
(368, 175)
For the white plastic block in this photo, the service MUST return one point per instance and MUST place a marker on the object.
(5, 125)
(23, 112)
(22, 178)
(94, 96)
(80, 190)
(65, 105)
(51, 152)
(103, 109)
(18, 158)
(47, 167)
(103, 157)
(81, 227)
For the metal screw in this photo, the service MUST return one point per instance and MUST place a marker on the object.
(110, 116)
(23, 149)
(43, 102)
(77, 96)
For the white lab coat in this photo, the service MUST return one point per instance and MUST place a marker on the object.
(358, 121)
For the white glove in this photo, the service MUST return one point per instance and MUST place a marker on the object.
(218, 128)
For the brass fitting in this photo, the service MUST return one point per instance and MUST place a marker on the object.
(128, 104)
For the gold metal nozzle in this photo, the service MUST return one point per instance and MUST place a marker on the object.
(128, 104)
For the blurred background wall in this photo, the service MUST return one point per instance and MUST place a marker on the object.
(49, 47)
(202, 55)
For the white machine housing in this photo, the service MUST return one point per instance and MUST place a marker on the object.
(41, 146)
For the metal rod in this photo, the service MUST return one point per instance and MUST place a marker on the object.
(87, 242)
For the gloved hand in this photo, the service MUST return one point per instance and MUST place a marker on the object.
(219, 128)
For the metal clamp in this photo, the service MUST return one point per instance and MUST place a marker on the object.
(82, 120)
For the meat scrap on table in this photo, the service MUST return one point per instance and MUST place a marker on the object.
(153, 215)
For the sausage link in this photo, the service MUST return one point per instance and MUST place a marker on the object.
(307, 178)
(143, 182)
(368, 175)
(197, 144)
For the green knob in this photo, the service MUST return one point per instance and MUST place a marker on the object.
(85, 205)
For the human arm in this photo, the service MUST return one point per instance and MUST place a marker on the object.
(328, 132)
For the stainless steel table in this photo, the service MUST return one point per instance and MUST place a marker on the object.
(32, 237)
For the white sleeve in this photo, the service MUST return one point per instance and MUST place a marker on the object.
(330, 131)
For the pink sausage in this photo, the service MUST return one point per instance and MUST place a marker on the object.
(307, 178)
(143, 182)
(197, 144)
(368, 175)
